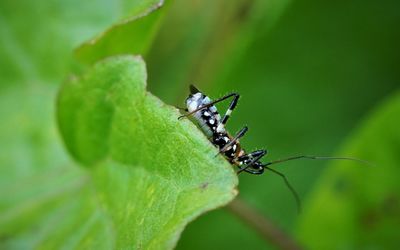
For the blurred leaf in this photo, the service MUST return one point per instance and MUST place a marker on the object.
(37, 37)
(152, 172)
(357, 207)
(40, 203)
(132, 35)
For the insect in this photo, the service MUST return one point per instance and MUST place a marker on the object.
(210, 122)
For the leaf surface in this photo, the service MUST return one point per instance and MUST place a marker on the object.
(146, 174)
(152, 172)
(131, 35)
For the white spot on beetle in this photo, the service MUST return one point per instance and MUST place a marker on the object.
(220, 128)
(206, 100)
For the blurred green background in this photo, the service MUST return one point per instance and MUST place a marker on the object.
(315, 77)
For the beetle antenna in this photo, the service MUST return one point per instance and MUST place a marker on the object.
(295, 195)
(317, 158)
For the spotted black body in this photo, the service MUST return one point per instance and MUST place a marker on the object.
(210, 122)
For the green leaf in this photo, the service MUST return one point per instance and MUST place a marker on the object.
(123, 200)
(152, 173)
(159, 174)
(37, 37)
(42, 193)
(131, 35)
(355, 207)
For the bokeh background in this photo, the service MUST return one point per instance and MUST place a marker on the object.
(315, 77)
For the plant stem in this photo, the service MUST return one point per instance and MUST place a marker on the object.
(265, 227)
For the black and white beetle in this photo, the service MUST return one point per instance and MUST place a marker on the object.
(209, 120)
